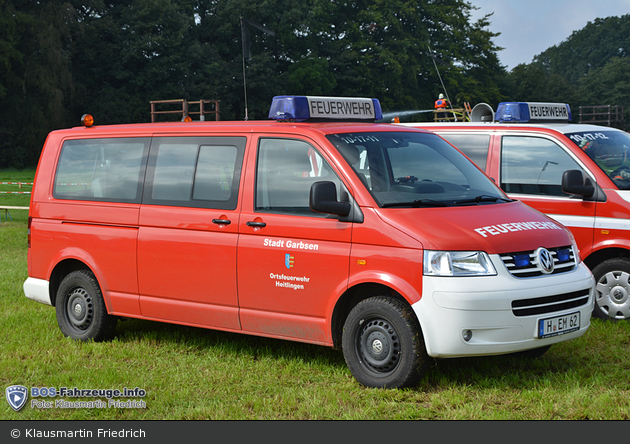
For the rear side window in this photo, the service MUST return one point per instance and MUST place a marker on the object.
(475, 146)
(109, 170)
(199, 172)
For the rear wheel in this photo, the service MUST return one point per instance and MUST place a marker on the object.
(612, 292)
(81, 312)
(383, 344)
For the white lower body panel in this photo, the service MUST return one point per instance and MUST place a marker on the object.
(37, 290)
(452, 308)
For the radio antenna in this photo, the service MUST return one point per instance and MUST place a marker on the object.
(245, 37)
(440, 77)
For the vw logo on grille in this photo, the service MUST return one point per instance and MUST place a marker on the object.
(377, 346)
(545, 260)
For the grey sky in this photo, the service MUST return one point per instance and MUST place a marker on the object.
(528, 27)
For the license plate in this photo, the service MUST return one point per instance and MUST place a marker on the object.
(558, 325)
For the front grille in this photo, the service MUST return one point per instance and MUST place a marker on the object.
(525, 264)
(550, 304)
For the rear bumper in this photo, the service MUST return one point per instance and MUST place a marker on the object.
(37, 290)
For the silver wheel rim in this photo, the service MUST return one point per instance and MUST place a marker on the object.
(612, 296)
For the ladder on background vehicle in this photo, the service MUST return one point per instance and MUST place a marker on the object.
(610, 115)
(184, 109)
(453, 114)
(467, 111)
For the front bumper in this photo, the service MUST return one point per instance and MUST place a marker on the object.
(451, 307)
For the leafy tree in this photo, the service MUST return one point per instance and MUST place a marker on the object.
(265, 73)
(36, 86)
(607, 85)
(132, 52)
(589, 68)
(588, 48)
(9, 54)
(390, 49)
(376, 48)
(62, 58)
(532, 83)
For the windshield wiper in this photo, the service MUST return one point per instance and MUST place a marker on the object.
(416, 204)
(483, 198)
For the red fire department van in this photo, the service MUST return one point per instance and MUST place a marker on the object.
(318, 226)
(577, 174)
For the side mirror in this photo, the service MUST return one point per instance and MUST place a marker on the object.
(323, 199)
(573, 183)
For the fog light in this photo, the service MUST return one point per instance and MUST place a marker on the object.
(467, 335)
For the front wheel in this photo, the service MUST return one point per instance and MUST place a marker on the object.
(612, 300)
(81, 312)
(383, 344)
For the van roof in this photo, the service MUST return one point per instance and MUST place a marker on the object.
(236, 126)
(563, 128)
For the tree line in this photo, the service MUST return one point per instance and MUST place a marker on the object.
(60, 59)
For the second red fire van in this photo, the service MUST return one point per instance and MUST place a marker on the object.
(577, 174)
(318, 226)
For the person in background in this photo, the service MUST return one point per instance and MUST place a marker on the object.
(441, 104)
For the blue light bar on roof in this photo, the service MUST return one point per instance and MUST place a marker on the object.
(302, 108)
(523, 112)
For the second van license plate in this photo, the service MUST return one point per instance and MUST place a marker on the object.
(558, 325)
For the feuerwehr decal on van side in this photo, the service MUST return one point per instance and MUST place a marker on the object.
(516, 226)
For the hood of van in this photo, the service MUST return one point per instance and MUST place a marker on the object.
(495, 229)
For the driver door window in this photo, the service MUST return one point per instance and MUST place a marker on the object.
(534, 165)
(286, 170)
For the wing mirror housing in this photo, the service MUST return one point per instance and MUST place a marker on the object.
(573, 183)
(323, 199)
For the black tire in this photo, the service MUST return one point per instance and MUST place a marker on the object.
(81, 311)
(383, 344)
(612, 291)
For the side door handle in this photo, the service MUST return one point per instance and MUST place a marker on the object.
(221, 221)
(256, 224)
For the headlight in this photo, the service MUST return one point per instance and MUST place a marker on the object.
(458, 263)
(576, 253)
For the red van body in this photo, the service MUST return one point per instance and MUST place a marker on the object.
(315, 232)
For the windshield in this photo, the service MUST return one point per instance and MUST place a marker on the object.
(407, 169)
(609, 150)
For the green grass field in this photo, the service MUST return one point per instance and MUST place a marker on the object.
(190, 373)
